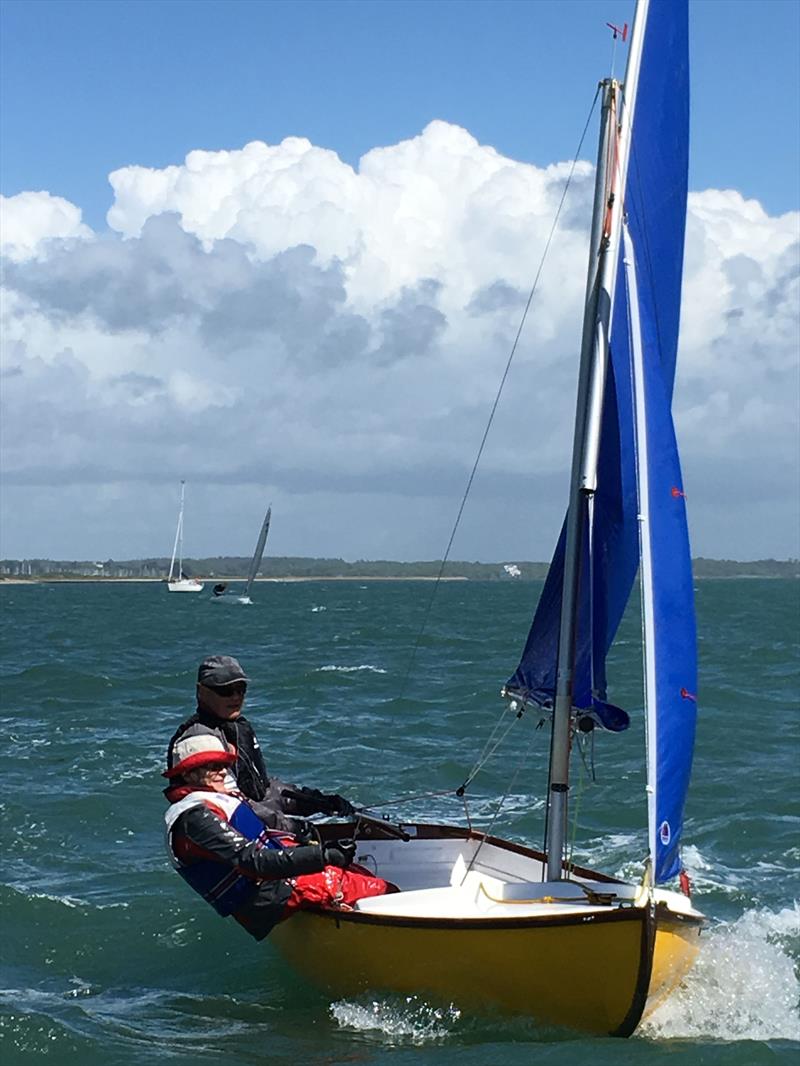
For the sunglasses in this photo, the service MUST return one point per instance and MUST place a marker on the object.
(237, 688)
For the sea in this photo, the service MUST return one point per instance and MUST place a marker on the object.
(387, 692)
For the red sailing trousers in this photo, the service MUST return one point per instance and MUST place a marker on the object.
(332, 887)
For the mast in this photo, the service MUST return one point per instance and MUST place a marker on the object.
(613, 153)
(180, 535)
(177, 548)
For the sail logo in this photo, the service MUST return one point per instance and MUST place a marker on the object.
(665, 833)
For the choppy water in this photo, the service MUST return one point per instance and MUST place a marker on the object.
(107, 956)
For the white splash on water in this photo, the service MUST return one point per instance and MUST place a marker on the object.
(714, 876)
(350, 669)
(411, 1018)
(80, 989)
(744, 985)
(73, 902)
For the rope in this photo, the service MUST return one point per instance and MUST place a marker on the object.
(595, 898)
(577, 807)
(496, 401)
(406, 799)
(585, 741)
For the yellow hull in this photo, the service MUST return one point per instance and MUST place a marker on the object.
(598, 974)
(676, 947)
(595, 958)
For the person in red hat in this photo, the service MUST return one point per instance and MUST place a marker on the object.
(245, 870)
(221, 689)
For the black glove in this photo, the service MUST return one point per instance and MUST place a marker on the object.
(305, 832)
(341, 807)
(341, 853)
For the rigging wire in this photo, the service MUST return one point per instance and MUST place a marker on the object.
(493, 411)
(489, 748)
(488, 831)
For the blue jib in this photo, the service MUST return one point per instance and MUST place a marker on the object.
(655, 208)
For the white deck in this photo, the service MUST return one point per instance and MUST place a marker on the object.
(484, 897)
(436, 881)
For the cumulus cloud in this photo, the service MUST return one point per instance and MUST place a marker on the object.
(32, 221)
(273, 317)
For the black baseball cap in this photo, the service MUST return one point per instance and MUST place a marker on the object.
(218, 670)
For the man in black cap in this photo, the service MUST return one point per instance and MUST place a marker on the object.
(221, 688)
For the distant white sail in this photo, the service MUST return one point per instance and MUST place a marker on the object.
(177, 581)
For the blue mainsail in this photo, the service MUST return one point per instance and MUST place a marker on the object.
(655, 208)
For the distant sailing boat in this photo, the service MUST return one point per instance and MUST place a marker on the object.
(177, 581)
(255, 563)
(483, 921)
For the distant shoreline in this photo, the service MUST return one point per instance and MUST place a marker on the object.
(226, 569)
(211, 581)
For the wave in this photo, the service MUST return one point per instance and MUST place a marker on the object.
(408, 1020)
(744, 985)
(350, 669)
(71, 902)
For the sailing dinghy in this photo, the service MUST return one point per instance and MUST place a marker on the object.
(219, 591)
(177, 580)
(483, 921)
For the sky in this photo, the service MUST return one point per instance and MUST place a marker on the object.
(281, 250)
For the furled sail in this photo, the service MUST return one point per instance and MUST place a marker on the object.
(655, 210)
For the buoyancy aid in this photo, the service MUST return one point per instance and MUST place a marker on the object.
(226, 889)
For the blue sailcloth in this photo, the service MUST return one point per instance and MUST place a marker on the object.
(635, 453)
